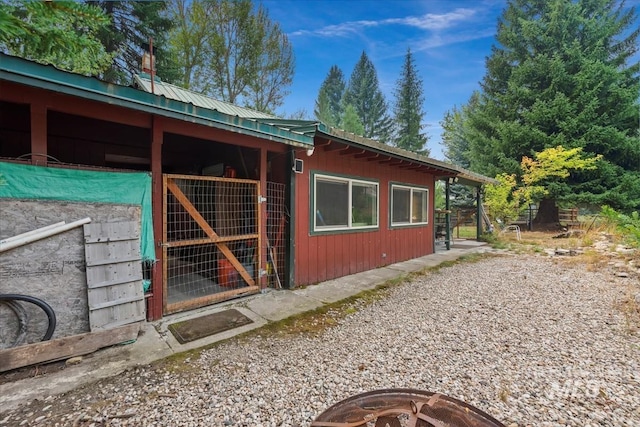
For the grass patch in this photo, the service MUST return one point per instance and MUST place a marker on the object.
(630, 307)
(180, 363)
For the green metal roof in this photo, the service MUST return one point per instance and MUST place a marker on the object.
(318, 128)
(30, 73)
(172, 101)
(143, 81)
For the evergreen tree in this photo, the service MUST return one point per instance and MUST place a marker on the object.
(328, 108)
(61, 33)
(455, 133)
(561, 76)
(363, 93)
(408, 109)
(350, 121)
(132, 24)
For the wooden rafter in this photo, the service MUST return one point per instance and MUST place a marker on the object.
(380, 159)
(367, 155)
(352, 150)
(336, 147)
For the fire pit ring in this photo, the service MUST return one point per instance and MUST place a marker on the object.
(403, 408)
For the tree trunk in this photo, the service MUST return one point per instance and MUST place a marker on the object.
(547, 215)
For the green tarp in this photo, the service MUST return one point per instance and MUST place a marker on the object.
(51, 183)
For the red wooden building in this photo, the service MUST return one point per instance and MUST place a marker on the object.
(241, 200)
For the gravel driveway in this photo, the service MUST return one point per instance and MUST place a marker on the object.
(533, 341)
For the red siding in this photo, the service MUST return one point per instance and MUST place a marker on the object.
(323, 257)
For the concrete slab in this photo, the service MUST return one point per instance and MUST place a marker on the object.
(163, 325)
(278, 305)
(104, 363)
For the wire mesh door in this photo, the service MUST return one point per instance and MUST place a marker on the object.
(211, 243)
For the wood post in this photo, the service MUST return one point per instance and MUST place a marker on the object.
(38, 133)
(155, 303)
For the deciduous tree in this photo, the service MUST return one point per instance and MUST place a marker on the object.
(233, 52)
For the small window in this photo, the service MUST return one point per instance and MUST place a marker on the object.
(408, 205)
(344, 204)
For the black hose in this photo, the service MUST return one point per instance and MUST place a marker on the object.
(51, 315)
(23, 320)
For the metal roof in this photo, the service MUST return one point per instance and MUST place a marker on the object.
(181, 104)
(314, 128)
(170, 91)
(30, 73)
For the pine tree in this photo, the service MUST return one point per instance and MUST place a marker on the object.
(363, 93)
(350, 121)
(562, 76)
(456, 132)
(328, 107)
(408, 109)
(132, 24)
(62, 33)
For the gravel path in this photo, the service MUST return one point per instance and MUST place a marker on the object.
(533, 341)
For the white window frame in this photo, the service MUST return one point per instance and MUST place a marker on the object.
(350, 181)
(411, 191)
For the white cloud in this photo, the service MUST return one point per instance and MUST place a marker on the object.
(432, 21)
(429, 21)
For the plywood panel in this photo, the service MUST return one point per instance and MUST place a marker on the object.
(53, 269)
(114, 274)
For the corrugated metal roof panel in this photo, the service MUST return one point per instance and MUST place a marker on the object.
(180, 94)
(30, 73)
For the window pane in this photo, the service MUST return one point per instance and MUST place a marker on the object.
(364, 201)
(400, 210)
(419, 208)
(332, 203)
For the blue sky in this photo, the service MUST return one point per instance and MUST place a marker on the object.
(450, 40)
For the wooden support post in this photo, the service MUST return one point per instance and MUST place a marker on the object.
(479, 212)
(155, 304)
(262, 220)
(447, 207)
(38, 133)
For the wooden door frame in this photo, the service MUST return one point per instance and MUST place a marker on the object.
(169, 186)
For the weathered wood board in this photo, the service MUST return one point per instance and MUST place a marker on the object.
(64, 348)
(114, 274)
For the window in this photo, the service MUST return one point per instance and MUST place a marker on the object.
(343, 203)
(408, 205)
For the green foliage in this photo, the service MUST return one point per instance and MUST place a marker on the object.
(132, 23)
(551, 166)
(329, 107)
(439, 196)
(232, 51)
(627, 225)
(563, 74)
(350, 121)
(456, 132)
(61, 33)
(408, 110)
(500, 200)
(363, 93)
